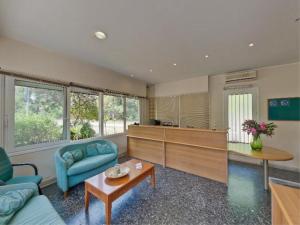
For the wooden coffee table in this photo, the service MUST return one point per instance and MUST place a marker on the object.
(109, 190)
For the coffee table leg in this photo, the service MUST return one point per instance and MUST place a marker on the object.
(86, 199)
(153, 182)
(108, 212)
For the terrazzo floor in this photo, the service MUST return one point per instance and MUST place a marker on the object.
(179, 198)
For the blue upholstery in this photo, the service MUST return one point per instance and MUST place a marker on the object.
(25, 179)
(37, 210)
(92, 163)
(12, 201)
(6, 172)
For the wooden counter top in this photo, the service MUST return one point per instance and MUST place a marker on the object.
(181, 128)
(285, 204)
(267, 153)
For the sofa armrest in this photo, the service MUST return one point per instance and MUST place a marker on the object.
(115, 148)
(28, 164)
(61, 171)
(14, 187)
(2, 183)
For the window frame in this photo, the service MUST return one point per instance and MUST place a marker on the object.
(90, 92)
(7, 124)
(123, 116)
(9, 140)
(125, 111)
(2, 120)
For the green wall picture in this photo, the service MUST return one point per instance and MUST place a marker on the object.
(284, 109)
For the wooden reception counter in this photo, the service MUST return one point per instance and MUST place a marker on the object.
(201, 152)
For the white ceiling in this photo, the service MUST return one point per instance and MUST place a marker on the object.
(154, 34)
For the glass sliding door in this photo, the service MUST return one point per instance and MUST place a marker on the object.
(240, 106)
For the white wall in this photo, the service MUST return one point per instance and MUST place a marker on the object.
(21, 57)
(188, 86)
(273, 82)
(17, 56)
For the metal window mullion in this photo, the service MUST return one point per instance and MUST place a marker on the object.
(66, 121)
(124, 114)
(101, 114)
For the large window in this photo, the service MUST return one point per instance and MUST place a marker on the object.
(84, 115)
(39, 113)
(132, 111)
(113, 114)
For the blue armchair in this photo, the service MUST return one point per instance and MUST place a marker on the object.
(75, 163)
(6, 172)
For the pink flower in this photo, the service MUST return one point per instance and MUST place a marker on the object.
(263, 126)
(253, 131)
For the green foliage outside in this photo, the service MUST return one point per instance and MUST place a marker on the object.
(38, 115)
(132, 110)
(35, 128)
(84, 111)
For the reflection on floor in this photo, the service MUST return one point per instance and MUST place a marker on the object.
(180, 198)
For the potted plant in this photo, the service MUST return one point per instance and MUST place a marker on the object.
(256, 129)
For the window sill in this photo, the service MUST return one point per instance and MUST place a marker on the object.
(37, 148)
(44, 147)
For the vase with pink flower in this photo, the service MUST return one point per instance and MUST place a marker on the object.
(256, 130)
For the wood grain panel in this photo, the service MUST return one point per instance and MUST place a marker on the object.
(203, 162)
(149, 132)
(148, 150)
(196, 137)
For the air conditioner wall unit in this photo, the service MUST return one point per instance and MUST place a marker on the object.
(240, 76)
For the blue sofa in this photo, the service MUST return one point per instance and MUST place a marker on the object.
(76, 162)
(37, 210)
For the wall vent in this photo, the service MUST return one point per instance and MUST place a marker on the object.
(240, 76)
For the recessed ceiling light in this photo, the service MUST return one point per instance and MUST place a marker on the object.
(174, 64)
(131, 75)
(206, 56)
(297, 20)
(150, 70)
(251, 44)
(100, 35)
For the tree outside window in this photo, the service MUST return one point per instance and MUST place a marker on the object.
(84, 113)
(132, 111)
(113, 114)
(39, 114)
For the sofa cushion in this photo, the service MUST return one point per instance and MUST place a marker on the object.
(104, 149)
(77, 154)
(12, 201)
(90, 163)
(91, 150)
(68, 157)
(38, 211)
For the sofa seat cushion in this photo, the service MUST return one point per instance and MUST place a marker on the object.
(25, 179)
(12, 201)
(37, 211)
(90, 163)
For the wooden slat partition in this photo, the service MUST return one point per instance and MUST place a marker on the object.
(201, 152)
